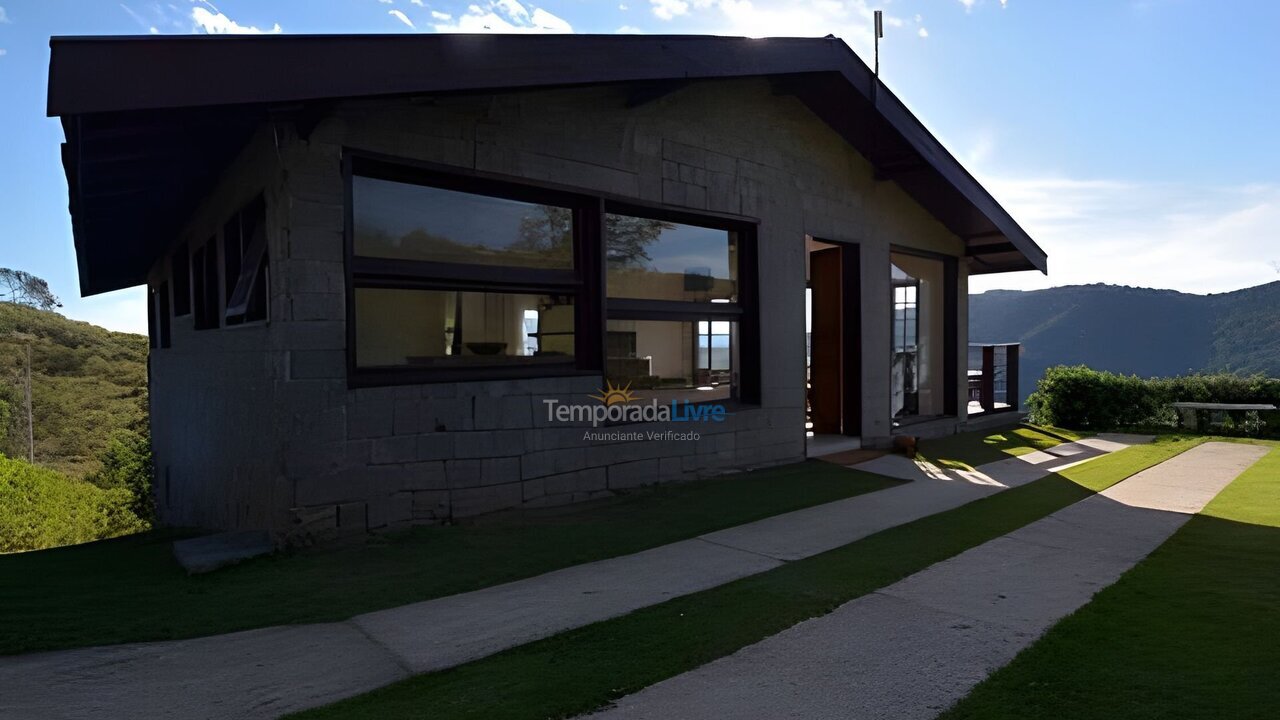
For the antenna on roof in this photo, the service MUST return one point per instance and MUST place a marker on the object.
(879, 34)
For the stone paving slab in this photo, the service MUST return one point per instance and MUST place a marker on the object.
(914, 648)
(1186, 487)
(267, 673)
(254, 674)
(448, 631)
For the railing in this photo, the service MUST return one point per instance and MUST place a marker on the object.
(993, 377)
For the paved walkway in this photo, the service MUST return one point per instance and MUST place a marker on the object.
(270, 672)
(917, 646)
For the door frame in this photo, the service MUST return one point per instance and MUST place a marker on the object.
(850, 334)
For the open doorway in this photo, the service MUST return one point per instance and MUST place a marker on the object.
(833, 361)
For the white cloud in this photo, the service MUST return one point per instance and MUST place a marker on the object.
(3, 52)
(629, 30)
(387, 2)
(132, 13)
(1192, 238)
(504, 16)
(923, 32)
(442, 16)
(402, 18)
(214, 22)
(4, 16)
(153, 30)
(668, 9)
(419, 3)
(968, 4)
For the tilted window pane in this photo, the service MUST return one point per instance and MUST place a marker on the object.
(671, 360)
(415, 222)
(445, 328)
(659, 260)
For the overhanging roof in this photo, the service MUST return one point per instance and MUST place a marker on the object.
(151, 121)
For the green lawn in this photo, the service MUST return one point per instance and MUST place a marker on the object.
(968, 450)
(1193, 631)
(131, 589)
(580, 670)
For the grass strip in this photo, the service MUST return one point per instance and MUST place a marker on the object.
(131, 589)
(965, 451)
(1190, 632)
(583, 669)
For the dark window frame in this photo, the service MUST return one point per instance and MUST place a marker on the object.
(744, 312)
(255, 306)
(180, 269)
(950, 323)
(587, 281)
(205, 284)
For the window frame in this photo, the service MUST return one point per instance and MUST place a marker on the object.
(586, 282)
(744, 312)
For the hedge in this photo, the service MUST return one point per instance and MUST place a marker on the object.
(42, 508)
(1081, 398)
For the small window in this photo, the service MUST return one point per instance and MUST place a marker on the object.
(399, 327)
(153, 336)
(245, 237)
(162, 315)
(180, 269)
(204, 285)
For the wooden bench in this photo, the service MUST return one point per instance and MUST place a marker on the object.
(1204, 411)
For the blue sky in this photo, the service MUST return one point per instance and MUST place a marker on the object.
(1136, 140)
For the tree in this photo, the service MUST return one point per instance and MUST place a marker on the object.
(627, 238)
(23, 288)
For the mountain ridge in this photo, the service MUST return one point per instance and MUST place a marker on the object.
(1140, 331)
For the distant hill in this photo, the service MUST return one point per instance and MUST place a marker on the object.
(87, 383)
(1130, 330)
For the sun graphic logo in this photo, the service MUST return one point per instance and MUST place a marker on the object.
(614, 394)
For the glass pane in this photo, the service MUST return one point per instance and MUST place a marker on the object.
(397, 328)
(670, 360)
(416, 222)
(917, 363)
(658, 260)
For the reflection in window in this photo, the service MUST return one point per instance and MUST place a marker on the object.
(659, 260)
(672, 360)
(416, 222)
(409, 327)
(905, 330)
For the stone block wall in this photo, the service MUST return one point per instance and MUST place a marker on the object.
(338, 459)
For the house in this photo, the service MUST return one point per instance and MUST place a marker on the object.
(400, 279)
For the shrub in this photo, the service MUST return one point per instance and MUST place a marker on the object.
(1082, 398)
(42, 508)
(126, 463)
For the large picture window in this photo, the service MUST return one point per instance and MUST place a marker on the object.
(674, 288)
(456, 277)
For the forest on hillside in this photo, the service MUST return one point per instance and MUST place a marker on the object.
(89, 473)
(1133, 331)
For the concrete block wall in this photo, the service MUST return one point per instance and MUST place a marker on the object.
(212, 392)
(350, 460)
